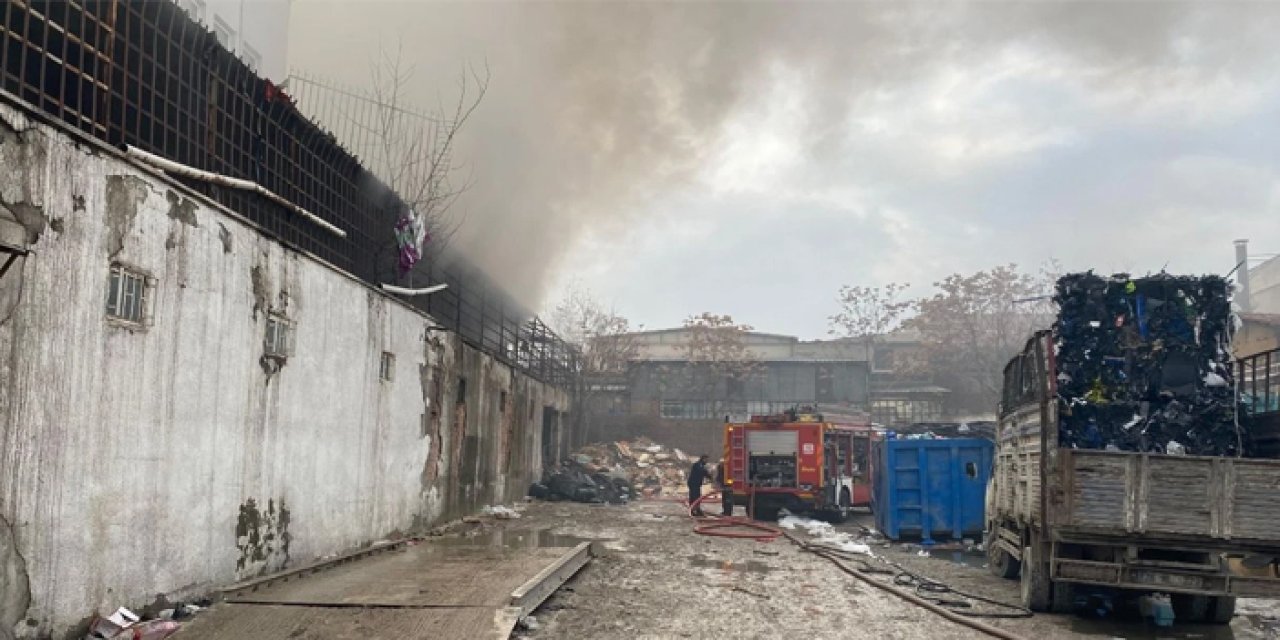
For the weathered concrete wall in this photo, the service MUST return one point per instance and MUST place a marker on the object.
(159, 460)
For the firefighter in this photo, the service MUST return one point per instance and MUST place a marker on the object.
(726, 492)
(698, 475)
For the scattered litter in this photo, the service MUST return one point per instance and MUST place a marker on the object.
(112, 625)
(922, 553)
(825, 534)
(529, 623)
(741, 589)
(500, 512)
(180, 612)
(1157, 607)
(152, 630)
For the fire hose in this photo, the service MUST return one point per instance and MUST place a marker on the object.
(723, 526)
(731, 526)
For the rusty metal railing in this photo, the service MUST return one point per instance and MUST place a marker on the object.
(142, 73)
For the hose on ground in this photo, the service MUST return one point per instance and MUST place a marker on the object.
(954, 610)
(958, 617)
(731, 526)
(933, 590)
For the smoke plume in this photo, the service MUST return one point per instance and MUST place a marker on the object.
(596, 110)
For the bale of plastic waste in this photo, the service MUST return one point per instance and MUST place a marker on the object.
(1144, 364)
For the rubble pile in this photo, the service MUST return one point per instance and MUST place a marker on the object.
(1144, 364)
(616, 472)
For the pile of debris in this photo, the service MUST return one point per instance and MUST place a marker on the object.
(127, 625)
(616, 472)
(1144, 364)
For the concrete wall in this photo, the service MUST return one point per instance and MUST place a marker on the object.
(160, 460)
(1264, 287)
(1258, 333)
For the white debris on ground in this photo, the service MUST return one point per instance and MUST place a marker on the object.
(824, 533)
(500, 512)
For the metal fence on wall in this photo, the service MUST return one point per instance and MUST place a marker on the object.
(143, 73)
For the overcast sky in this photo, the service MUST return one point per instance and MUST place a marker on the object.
(750, 158)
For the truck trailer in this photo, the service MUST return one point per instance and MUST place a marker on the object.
(1113, 508)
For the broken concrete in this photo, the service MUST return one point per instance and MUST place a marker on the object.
(124, 194)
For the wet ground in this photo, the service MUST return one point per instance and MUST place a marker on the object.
(655, 578)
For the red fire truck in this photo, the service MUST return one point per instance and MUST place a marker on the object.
(796, 461)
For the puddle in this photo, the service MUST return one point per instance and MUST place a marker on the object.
(747, 566)
(974, 559)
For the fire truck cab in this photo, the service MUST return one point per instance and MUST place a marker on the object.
(794, 461)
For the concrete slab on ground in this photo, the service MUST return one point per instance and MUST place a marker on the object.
(423, 591)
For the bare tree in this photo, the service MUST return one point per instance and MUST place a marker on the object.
(606, 346)
(411, 150)
(604, 337)
(718, 358)
(867, 314)
(976, 322)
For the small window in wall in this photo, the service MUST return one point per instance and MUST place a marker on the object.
(251, 57)
(502, 403)
(673, 409)
(225, 34)
(462, 391)
(194, 8)
(279, 339)
(127, 296)
(387, 370)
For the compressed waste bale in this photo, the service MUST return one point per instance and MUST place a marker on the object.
(1145, 364)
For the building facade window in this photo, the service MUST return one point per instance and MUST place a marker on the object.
(882, 360)
(194, 8)
(127, 296)
(387, 367)
(901, 411)
(279, 339)
(251, 57)
(224, 33)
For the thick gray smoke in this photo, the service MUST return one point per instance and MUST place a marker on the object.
(596, 110)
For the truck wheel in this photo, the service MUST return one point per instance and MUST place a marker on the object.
(1064, 597)
(999, 562)
(1189, 608)
(1224, 608)
(1037, 590)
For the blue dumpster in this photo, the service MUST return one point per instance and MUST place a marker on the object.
(931, 488)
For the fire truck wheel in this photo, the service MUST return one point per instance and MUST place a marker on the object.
(840, 514)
